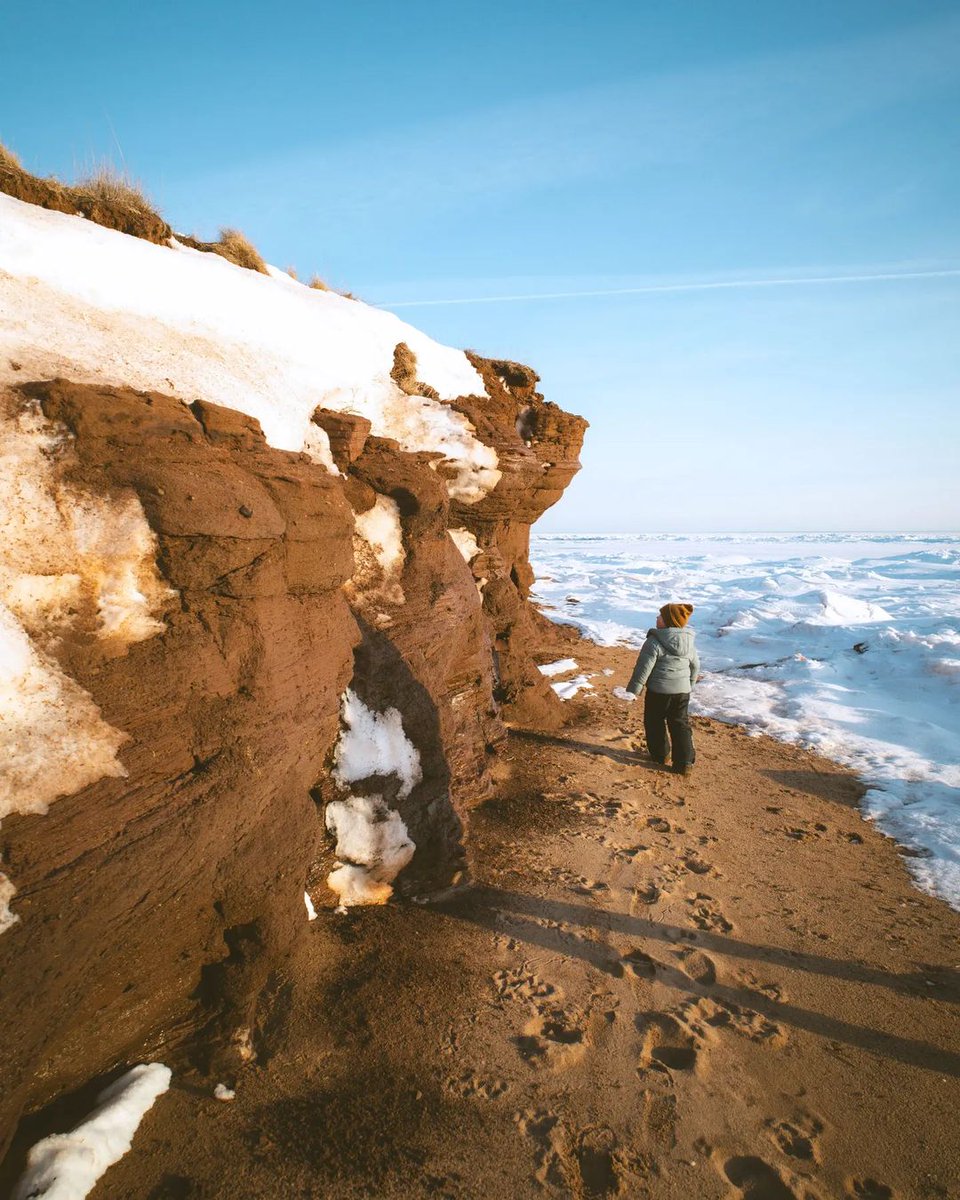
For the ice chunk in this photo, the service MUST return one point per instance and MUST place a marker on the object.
(373, 846)
(568, 688)
(561, 667)
(311, 911)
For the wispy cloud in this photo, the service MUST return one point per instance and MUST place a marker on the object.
(404, 175)
(704, 285)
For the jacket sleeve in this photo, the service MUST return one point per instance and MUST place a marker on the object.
(694, 667)
(645, 664)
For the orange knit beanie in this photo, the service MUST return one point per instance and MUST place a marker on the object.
(676, 615)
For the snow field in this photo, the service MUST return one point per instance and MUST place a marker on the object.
(97, 306)
(66, 1166)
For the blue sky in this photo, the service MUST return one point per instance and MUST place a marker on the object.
(435, 152)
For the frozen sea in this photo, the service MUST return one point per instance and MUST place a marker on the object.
(848, 644)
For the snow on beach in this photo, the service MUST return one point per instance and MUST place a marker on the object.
(778, 618)
(66, 1166)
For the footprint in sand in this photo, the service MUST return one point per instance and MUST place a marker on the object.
(667, 1045)
(584, 1164)
(698, 967)
(470, 1086)
(520, 983)
(755, 1179)
(554, 1037)
(772, 991)
(637, 963)
(745, 1021)
(705, 914)
(869, 1189)
(647, 893)
(797, 1139)
(545, 1131)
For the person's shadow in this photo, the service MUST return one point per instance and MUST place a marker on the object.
(629, 758)
(496, 909)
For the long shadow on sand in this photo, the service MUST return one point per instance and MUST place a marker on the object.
(495, 909)
(628, 758)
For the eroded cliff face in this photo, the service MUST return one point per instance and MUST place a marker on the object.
(315, 697)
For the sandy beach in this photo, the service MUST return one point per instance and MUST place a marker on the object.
(655, 986)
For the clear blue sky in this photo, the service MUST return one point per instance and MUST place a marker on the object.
(435, 151)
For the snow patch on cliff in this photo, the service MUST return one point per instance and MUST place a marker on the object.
(70, 560)
(373, 743)
(466, 543)
(380, 528)
(373, 844)
(66, 1166)
(97, 306)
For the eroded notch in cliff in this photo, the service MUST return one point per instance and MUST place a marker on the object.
(386, 800)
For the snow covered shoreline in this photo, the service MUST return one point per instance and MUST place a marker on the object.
(779, 617)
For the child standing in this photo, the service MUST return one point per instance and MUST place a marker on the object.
(668, 664)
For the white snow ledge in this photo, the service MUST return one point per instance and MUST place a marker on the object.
(97, 306)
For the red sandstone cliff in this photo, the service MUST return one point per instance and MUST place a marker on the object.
(155, 909)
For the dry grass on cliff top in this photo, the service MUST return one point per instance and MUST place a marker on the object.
(111, 198)
(105, 196)
(237, 248)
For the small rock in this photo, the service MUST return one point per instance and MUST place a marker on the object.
(246, 510)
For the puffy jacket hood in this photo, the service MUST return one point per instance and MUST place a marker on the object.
(674, 641)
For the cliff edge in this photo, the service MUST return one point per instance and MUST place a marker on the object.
(263, 617)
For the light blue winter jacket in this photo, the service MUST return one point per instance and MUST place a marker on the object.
(668, 662)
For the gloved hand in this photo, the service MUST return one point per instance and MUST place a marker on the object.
(623, 694)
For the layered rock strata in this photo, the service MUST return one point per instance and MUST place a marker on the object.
(158, 903)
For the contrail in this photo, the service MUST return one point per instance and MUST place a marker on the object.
(659, 288)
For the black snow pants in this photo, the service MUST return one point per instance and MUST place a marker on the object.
(660, 713)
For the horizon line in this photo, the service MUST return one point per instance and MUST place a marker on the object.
(697, 286)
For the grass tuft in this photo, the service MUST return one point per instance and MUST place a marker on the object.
(114, 190)
(8, 160)
(237, 248)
